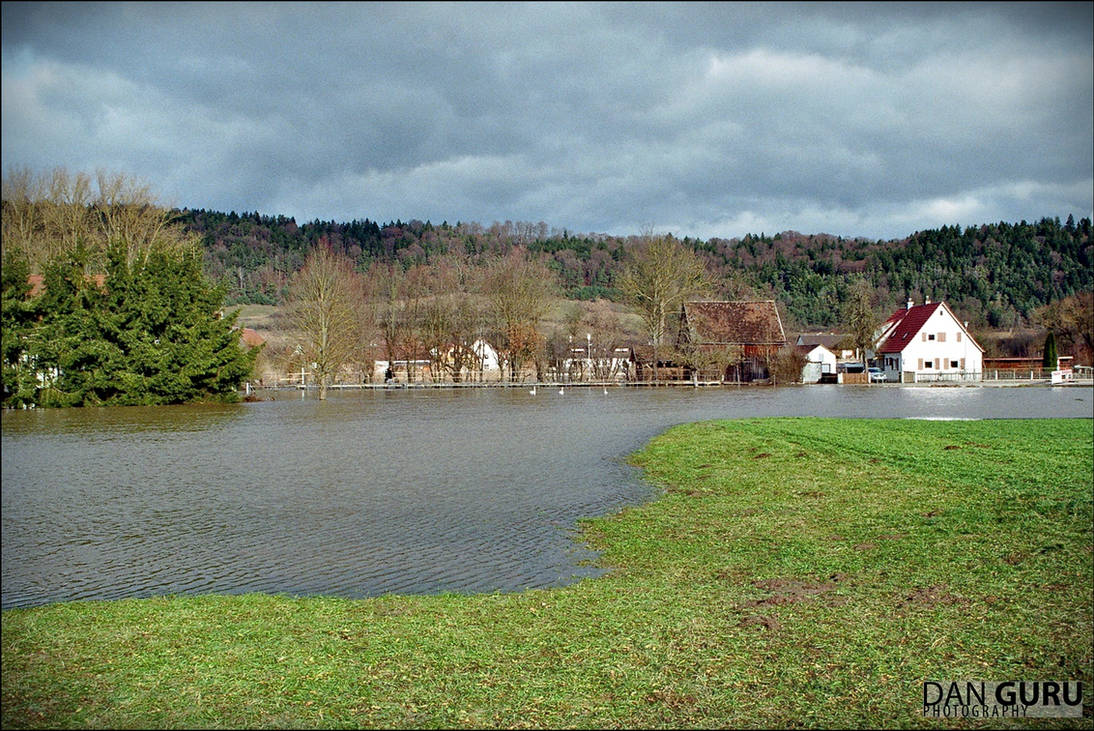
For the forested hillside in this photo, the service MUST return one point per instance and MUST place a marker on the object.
(995, 275)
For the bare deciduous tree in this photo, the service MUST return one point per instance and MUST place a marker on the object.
(859, 316)
(325, 300)
(46, 216)
(519, 290)
(661, 275)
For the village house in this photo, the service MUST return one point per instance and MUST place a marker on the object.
(927, 342)
(483, 364)
(836, 343)
(751, 329)
(819, 361)
(586, 364)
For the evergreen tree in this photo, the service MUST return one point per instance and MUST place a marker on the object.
(18, 317)
(148, 332)
(1050, 360)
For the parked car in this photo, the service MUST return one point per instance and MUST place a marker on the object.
(876, 374)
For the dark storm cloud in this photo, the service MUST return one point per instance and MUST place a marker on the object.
(709, 119)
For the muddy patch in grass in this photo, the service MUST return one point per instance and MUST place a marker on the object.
(789, 591)
(759, 620)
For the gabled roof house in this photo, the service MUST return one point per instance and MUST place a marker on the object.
(927, 341)
(752, 325)
(834, 342)
(818, 361)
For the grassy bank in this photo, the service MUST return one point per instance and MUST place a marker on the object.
(796, 572)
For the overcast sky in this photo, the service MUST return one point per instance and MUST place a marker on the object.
(705, 120)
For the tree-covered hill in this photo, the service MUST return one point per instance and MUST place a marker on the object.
(995, 275)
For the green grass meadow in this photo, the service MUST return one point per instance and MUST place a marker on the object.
(794, 573)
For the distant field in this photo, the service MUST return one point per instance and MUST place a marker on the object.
(259, 317)
(795, 573)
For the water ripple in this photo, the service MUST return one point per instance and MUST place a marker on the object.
(368, 493)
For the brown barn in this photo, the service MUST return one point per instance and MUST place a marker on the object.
(752, 326)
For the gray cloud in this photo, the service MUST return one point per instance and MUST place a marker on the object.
(704, 119)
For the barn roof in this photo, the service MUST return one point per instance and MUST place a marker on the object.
(751, 322)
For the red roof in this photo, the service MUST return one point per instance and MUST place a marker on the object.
(908, 322)
(37, 284)
(904, 325)
(251, 338)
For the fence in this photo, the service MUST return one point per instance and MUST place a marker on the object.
(952, 377)
(1017, 374)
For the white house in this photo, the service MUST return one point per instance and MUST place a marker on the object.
(834, 342)
(486, 355)
(927, 341)
(819, 359)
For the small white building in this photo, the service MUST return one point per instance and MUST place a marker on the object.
(835, 342)
(819, 360)
(927, 342)
(486, 355)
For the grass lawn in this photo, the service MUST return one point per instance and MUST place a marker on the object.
(796, 572)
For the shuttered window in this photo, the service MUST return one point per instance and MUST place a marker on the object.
(941, 337)
(959, 336)
(920, 366)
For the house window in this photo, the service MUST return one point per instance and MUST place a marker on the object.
(931, 336)
(941, 337)
(927, 364)
(953, 364)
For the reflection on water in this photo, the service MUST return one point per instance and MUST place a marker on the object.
(369, 492)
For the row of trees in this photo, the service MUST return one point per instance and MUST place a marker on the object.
(127, 303)
(126, 314)
(439, 314)
(999, 274)
(435, 313)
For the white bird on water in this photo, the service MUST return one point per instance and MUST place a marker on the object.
(605, 390)
(533, 391)
(561, 390)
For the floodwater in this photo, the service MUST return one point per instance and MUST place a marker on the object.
(369, 493)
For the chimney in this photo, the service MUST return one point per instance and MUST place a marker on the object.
(926, 300)
(910, 303)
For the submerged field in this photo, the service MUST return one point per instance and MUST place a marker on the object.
(796, 572)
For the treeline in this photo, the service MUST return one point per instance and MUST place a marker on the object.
(996, 275)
